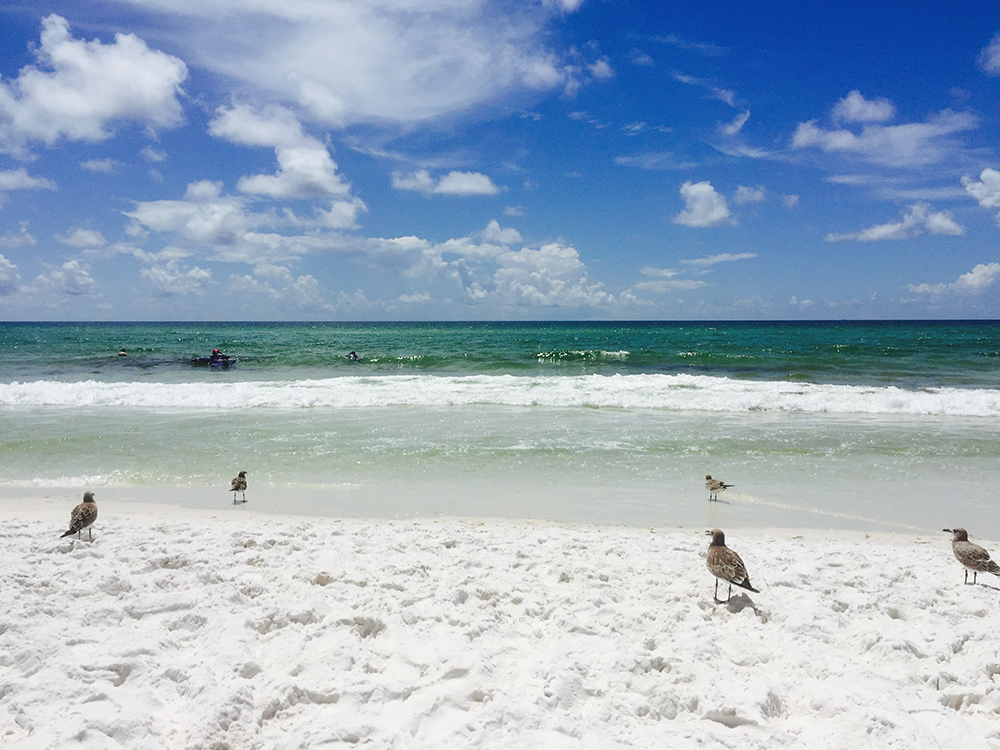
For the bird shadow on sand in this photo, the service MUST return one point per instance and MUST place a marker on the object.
(740, 602)
(985, 586)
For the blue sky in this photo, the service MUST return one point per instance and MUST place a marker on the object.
(462, 160)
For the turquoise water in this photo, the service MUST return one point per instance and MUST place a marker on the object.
(854, 425)
(920, 354)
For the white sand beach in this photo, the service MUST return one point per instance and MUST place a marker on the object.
(179, 628)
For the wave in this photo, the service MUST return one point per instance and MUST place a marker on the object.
(666, 392)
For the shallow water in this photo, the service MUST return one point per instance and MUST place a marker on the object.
(563, 422)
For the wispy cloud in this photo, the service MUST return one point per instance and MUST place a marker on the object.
(917, 219)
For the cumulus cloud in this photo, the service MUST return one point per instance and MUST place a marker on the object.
(305, 167)
(205, 216)
(489, 272)
(704, 206)
(20, 238)
(980, 278)
(19, 179)
(495, 234)
(278, 283)
(855, 108)
(347, 62)
(77, 90)
(905, 145)
(70, 278)
(100, 166)
(453, 183)
(917, 218)
(986, 191)
(82, 238)
(746, 194)
(9, 277)
(989, 58)
(171, 279)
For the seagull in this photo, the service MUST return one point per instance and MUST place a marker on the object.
(239, 484)
(726, 565)
(714, 487)
(83, 517)
(972, 556)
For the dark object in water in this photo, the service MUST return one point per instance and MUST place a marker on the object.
(223, 364)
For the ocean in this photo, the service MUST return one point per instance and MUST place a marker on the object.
(860, 425)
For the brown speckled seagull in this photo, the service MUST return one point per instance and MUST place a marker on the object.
(239, 484)
(972, 556)
(726, 565)
(83, 517)
(714, 487)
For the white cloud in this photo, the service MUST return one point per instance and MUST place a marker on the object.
(855, 108)
(70, 278)
(665, 273)
(980, 278)
(301, 293)
(453, 183)
(746, 194)
(734, 127)
(790, 201)
(9, 278)
(170, 279)
(19, 179)
(343, 214)
(662, 286)
(602, 70)
(551, 276)
(348, 62)
(493, 233)
(153, 156)
(986, 191)
(916, 219)
(989, 58)
(712, 260)
(704, 206)
(77, 89)
(305, 167)
(204, 217)
(466, 183)
(513, 211)
(723, 95)
(20, 239)
(83, 238)
(548, 276)
(100, 166)
(906, 145)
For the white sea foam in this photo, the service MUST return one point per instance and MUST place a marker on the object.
(668, 392)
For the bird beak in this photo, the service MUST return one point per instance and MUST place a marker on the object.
(708, 533)
(948, 530)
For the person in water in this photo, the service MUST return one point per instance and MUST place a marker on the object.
(353, 357)
(217, 356)
(123, 353)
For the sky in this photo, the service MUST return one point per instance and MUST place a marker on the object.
(479, 160)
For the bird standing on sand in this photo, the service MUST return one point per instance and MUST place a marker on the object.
(726, 565)
(83, 517)
(714, 487)
(972, 556)
(239, 484)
